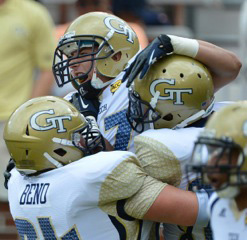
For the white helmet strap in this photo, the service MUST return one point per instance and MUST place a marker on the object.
(153, 103)
(196, 116)
(52, 160)
(97, 82)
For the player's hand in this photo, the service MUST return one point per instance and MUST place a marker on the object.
(7, 173)
(161, 46)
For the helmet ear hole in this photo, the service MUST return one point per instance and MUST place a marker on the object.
(181, 75)
(164, 70)
(117, 56)
(168, 117)
(61, 152)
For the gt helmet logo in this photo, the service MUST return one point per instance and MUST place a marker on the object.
(118, 26)
(53, 122)
(172, 93)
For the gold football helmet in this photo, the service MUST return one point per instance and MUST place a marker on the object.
(175, 92)
(48, 132)
(106, 34)
(222, 148)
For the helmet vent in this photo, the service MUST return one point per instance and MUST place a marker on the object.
(27, 131)
(181, 75)
(199, 75)
(61, 152)
(168, 117)
(26, 153)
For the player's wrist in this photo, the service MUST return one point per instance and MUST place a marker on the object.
(184, 46)
(202, 216)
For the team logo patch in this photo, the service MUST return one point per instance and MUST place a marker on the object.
(115, 86)
(51, 122)
(116, 25)
(166, 93)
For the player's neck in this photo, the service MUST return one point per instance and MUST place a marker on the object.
(241, 199)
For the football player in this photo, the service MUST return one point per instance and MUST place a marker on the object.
(172, 103)
(98, 46)
(64, 185)
(220, 159)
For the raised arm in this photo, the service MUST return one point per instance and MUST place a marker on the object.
(223, 64)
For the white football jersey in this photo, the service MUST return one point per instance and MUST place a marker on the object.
(84, 200)
(227, 222)
(112, 120)
(163, 154)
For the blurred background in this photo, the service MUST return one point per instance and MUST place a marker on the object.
(222, 22)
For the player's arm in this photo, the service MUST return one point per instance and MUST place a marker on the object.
(174, 205)
(224, 65)
(159, 202)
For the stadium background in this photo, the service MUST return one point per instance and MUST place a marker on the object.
(222, 22)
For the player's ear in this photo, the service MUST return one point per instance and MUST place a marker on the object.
(117, 56)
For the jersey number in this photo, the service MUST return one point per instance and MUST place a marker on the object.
(124, 129)
(27, 231)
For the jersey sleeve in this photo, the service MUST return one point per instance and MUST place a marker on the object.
(158, 160)
(128, 190)
(123, 182)
(138, 205)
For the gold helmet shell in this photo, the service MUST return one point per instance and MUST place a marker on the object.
(178, 89)
(41, 134)
(230, 124)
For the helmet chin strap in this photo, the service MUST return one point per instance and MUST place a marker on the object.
(153, 103)
(196, 116)
(97, 83)
(52, 160)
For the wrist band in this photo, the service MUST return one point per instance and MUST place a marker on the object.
(184, 46)
(202, 217)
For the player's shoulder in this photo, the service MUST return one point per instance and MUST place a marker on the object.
(179, 141)
(100, 165)
(167, 132)
(105, 158)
